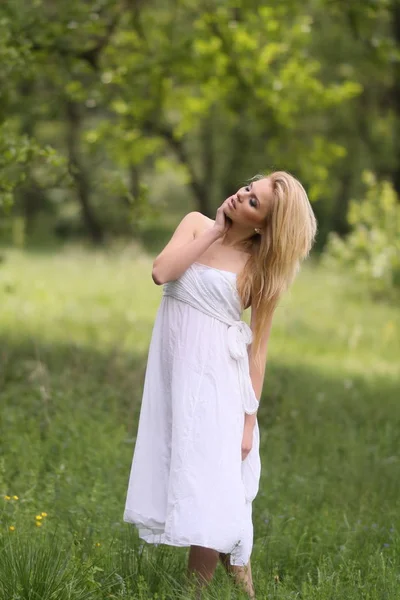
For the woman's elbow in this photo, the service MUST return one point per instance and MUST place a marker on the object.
(157, 278)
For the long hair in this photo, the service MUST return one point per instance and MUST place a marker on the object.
(286, 239)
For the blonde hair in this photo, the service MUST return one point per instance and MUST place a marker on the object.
(286, 239)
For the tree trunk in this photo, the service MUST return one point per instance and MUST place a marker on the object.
(208, 189)
(79, 174)
(197, 184)
(339, 221)
(31, 197)
(230, 179)
(396, 93)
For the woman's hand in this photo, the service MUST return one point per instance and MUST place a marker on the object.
(222, 221)
(247, 440)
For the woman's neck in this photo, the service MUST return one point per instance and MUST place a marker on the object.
(235, 236)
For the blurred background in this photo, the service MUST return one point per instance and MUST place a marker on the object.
(117, 118)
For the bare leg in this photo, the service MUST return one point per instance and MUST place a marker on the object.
(241, 575)
(202, 564)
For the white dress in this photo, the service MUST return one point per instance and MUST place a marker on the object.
(188, 484)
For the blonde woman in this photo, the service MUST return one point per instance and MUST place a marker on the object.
(196, 464)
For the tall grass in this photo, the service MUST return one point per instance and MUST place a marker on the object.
(74, 331)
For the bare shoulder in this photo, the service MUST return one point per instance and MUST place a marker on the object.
(203, 223)
(191, 223)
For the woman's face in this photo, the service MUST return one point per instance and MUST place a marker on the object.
(251, 204)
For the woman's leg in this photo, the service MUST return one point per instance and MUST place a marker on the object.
(241, 575)
(202, 564)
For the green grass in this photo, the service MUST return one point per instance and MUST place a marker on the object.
(74, 331)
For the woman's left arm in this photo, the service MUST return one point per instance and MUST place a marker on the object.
(257, 373)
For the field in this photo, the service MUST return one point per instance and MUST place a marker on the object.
(74, 330)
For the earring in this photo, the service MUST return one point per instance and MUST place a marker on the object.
(257, 230)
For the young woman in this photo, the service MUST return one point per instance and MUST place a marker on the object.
(196, 464)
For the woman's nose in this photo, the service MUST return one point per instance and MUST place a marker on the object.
(241, 194)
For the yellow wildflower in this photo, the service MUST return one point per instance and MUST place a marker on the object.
(7, 497)
(38, 517)
(12, 528)
(98, 544)
(44, 514)
(15, 498)
(39, 524)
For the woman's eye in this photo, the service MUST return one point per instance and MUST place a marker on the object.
(253, 202)
(247, 188)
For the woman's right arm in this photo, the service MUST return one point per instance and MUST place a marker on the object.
(184, 248)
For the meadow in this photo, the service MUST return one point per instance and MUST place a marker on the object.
(75, 325)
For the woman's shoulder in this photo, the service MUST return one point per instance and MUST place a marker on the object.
(208, 222)
(203, 223)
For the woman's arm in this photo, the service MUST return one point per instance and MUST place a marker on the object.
(257, 373)
(188, 243)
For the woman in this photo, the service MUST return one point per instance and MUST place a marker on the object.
(196, 464)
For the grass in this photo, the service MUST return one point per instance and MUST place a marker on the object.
(74, 330)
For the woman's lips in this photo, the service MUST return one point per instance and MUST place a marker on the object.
(232, 203)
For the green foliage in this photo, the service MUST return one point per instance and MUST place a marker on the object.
(372, 249)
(215, 91)
(17, 153)
(251, 68)
(146, 85)
(19, 150)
